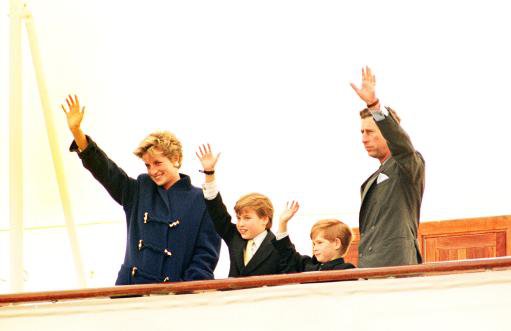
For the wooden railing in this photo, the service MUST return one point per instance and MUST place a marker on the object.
(427, 269)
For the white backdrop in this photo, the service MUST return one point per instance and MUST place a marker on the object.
(267, 83)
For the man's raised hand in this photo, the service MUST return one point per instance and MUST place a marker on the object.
(366, 92)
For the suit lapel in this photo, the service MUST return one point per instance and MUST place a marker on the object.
(239, 257)
(261, 254)
(370, 181)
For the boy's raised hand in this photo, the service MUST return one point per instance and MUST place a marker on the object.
(288, 212)
(207, 158)
(74, 114)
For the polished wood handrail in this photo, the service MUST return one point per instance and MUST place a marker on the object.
(259, 281)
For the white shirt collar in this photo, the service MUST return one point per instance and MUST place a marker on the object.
(258, 240)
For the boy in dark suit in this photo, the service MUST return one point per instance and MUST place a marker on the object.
(249, 240)
(331, 239)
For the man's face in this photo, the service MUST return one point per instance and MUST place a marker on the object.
(161, 170)
(249, 224)
(374, 143)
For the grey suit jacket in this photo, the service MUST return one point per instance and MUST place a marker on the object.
(390, 208)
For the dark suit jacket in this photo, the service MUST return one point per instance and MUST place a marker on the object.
(291, 261)
(266, 259)
(390, 209)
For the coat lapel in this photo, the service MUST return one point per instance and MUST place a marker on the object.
(262, 253)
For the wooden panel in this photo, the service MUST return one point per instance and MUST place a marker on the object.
(352, 254)
(473, 238)
(465, 240)
(501, 244)
(463, 246)
(500, 226)
(470, 238)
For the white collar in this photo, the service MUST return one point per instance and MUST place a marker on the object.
(258, 240)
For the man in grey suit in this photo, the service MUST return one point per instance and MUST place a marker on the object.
(391, 196)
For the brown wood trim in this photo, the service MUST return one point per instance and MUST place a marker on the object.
(259, 281)
(466, 224)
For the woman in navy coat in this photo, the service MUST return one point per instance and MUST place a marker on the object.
(170, 234)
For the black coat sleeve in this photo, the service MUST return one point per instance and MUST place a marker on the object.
(221, 218)
(119, 185)
(290, 259)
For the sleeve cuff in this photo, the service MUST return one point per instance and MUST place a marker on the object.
(379, 114)
(281, 235)
(210, 190)
(74, 147)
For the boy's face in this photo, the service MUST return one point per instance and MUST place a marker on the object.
(325, 250)
(161, 170)
(249, 224)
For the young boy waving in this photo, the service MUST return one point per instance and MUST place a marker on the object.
(249, 240)
(331, 239)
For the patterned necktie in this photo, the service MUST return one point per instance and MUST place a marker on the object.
(248, 251)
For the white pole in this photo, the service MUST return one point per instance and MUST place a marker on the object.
(15, 150)
(54, 147)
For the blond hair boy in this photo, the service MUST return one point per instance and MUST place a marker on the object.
(249, 240)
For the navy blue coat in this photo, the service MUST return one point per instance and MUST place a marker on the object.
(170, 234)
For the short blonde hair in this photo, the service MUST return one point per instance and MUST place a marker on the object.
(164, 142)
(332, 229)
(257, 202)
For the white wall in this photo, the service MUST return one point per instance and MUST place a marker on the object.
(267, 83)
